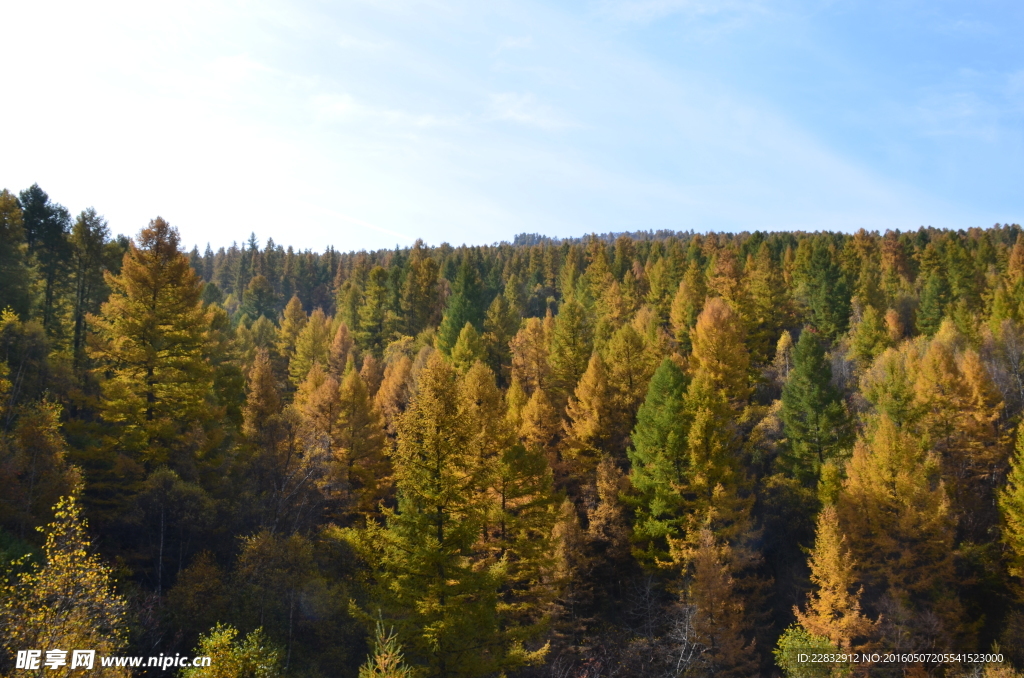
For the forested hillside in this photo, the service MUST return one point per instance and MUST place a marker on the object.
(649, 454)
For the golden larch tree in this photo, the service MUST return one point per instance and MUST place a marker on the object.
(149, 344)
(719, 351)
(590, 427)
(359, 445)
(833, 606)
(895, 512)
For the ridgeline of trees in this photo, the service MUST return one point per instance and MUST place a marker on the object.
(656, 454)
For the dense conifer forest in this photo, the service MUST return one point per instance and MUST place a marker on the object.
(640, 454)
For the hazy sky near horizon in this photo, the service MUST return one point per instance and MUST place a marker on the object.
(369, 123)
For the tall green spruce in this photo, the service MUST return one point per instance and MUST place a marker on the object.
(375, 324)
(462, 307)
(91, 254)
(934, 298)
(816, 423)
(15, 282)
(826, 289)
(659, 463)
(47, 225)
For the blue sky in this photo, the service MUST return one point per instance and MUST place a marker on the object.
(369, 123)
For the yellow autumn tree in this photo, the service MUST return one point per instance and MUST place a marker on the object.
(387, 660)
(68, 602)
(630, 366)
(312, 346)
(530, 354)
(317, 402)
(484, 411)
(833, 607)
(468, 349)
(395, 391)
(292, 322)
(895, 512)
(767, 307)
(515, 401)
(149, 344)
(607, 529)
(720, 624)
(540, 426)
(359, 443)
(590, 427)
(252, 657)
(687, 305)
(719, 351)
(960, 410)
(34, 470)
(341, 348)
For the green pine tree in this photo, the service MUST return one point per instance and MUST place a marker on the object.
(15, 280)
(500, 324)
(47, 225)
(934, 298)
(461, 309)
(376, 319)
(91, 254)
(659, 463)
(825, 288)
(870, 337)
(815, 420)
(260, 299)
(1011, 505)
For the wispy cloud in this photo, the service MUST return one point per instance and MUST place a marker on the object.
(523, 108)
(334, 108)
(643, 11)
(237, 68)
(351, 42)
(513, 43)
(1014, 89)
(971, 104)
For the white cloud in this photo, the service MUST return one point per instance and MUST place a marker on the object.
(350, 42)
(237, 68)
(523, 108)
(334, 107)
(513, 43)
(341, 108)
(643, 11)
